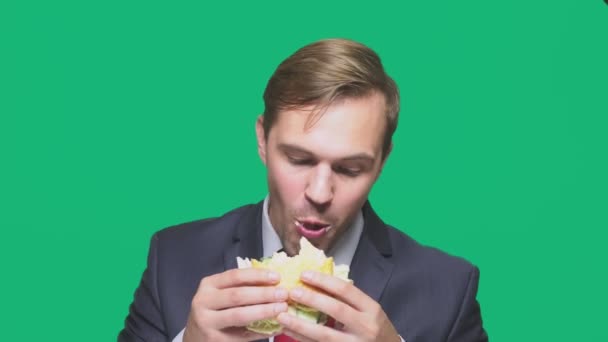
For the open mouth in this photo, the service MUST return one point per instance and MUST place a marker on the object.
(312, 229)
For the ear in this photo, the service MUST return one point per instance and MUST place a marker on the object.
(259, 132)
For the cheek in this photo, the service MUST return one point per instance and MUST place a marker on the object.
(287, 184)
(353, 195)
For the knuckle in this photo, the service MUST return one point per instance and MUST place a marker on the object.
(343, 287)
(236, 277)
(194, 302)
(239, 316)
(376, 310)
(306, 296)
(340, 311)
(204, 281)
(269, 310)
(268, 294)
(201, 317)
(197, 310)
(198, 299)
(370, 330)
(235, 297)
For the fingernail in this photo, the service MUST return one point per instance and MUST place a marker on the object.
(280, 293)
(280, 307)
(273, 276)
(306, 275)
(297, 292)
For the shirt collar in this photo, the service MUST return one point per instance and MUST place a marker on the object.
(342, 251)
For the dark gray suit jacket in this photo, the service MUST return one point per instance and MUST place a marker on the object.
(428, 295)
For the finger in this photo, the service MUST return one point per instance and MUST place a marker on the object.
(309, 331)
(241, 277)
(343, 290)
(241, 316)
(339, 311)
(245, 295)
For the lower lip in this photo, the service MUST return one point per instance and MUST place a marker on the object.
(311, 234)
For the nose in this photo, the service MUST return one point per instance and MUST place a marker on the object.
(320, 187)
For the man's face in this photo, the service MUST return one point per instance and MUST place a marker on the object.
(319, 177)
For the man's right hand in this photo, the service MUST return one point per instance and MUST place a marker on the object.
(226, 302)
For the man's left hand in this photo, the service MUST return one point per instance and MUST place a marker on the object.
(358, 317)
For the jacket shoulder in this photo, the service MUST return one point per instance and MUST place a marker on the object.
(215, 227)
(432, 287)
(425, 258)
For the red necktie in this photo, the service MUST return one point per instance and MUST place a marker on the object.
(285, 338)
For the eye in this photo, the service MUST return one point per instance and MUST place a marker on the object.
(299, 161)
(348, 171)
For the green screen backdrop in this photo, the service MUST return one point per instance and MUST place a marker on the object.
(119, 118)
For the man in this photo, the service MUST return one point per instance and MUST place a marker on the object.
(325, 135)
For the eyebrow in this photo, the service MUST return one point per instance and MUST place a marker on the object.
(355, 157)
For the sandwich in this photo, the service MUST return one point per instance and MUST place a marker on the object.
(309, 259)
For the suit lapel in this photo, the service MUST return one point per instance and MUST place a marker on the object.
(371, 267)
(247, 237)
(246, 240)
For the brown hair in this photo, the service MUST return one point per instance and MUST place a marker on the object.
(327, 71)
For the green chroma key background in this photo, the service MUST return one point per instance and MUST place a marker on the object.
(119, 118)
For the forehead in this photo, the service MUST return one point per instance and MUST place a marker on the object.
(349, 126)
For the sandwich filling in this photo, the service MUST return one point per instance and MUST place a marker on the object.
(290, 268)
